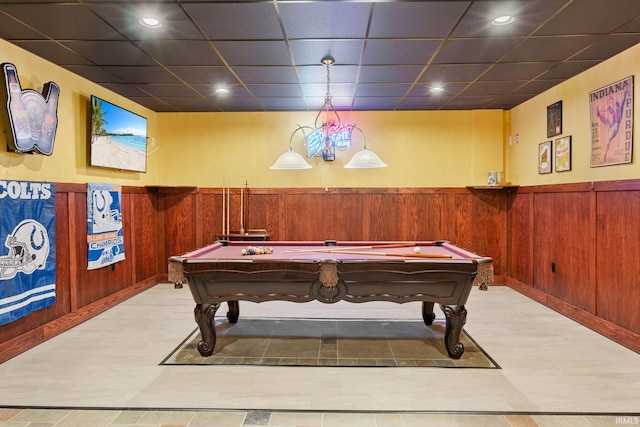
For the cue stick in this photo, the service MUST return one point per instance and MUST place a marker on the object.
(223, 203)
(338, 249)
(228, 207)
(407, 255)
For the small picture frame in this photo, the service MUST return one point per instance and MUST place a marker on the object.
(545, 157)
(563, 154)
(554, 119)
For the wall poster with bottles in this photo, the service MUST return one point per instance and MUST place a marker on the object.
(31, 117)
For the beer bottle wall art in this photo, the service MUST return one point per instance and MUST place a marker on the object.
(32, 116)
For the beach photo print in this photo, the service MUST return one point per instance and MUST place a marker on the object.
(118, 137)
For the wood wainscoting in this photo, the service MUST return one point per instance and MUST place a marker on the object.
(576, 249)
(573, 247)
(81, 293)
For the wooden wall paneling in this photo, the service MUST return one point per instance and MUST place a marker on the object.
(144, 225)
(479, 218)
(519, 237)
(427, 216)
(263, 212)
(385, 217)
(179, 209)
(618, 258)
(209, 216)
(323, 216)
(561, 239)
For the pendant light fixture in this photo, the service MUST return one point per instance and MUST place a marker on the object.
(327, 121)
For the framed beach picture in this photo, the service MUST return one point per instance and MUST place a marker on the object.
(554, 119)
(611, 111)
(118, 137)
(545, 157)
(563, 154)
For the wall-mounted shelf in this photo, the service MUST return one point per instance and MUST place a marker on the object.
(492, 187)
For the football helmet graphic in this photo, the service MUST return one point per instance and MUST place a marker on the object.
(28, 246)
(105, 218)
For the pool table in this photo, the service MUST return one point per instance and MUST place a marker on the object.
(437, 272)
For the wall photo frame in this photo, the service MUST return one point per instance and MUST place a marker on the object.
(545, 157)
(563, 154)
(554, 119)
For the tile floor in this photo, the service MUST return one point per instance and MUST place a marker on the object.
(321, 342)
(107, 372)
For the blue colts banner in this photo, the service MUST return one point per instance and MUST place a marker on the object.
(28, 259)
(104, 220)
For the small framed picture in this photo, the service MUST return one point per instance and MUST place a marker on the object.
(554, 119)
(563, 154)
(545, 157)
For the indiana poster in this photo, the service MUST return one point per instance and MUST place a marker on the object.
(611, 109)
(104, 221)
(28, 259)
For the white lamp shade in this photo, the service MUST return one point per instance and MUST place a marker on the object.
(290, 160)
(365, 159)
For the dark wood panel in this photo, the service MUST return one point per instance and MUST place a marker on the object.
(262, 212)
(145, 239)
(480, 218)
(179, 212)
(562, 242)
(323, 217)
(618, 258)
(519, 243)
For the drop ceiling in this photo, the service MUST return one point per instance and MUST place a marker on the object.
(388, 54)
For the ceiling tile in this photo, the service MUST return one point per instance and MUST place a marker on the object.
(125, 18)
(430, 19)
(311, 52)
(256, 75)
(407, 52)
(63, 21)
(325, 20)
(180, 52)
(255, 52)
(389, 74)
(236, 21)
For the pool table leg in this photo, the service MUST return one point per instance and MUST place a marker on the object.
(456, 316)
(234, 311)
(205, 318)
(427, 313)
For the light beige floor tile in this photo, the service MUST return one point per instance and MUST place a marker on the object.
(297, 419)
(114, 360)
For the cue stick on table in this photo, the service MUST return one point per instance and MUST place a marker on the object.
(407, 255)
(338, 249)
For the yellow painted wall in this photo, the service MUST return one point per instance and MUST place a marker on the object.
(528, 120)
(422, 149)
(68, 163)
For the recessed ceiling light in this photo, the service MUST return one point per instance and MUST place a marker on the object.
(436, 89)
(150, 22)
(222, 90)
(503, 20)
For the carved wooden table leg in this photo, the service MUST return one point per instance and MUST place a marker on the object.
(456, 316)
(204, 314)
(234, 311)
(427, 313)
